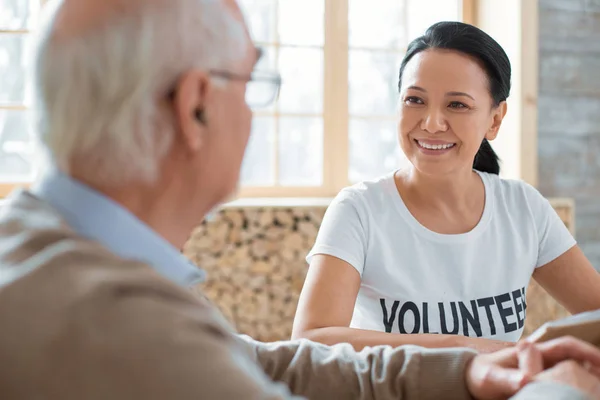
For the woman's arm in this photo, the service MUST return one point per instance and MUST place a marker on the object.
(562, 268)
(327, 302)
(572, 281)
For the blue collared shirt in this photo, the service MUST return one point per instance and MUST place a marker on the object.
(97, 217)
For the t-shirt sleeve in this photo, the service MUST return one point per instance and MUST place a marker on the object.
(344, 231)
(554, 237)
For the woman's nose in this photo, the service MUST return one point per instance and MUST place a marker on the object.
(434, 121)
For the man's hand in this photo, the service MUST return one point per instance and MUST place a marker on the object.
(495, 375)
(500, 375)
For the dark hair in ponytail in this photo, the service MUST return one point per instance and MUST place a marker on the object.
(473, 41)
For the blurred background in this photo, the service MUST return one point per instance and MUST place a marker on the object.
(334, 125)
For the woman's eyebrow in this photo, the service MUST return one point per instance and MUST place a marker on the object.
(420, 89)
(460, 94)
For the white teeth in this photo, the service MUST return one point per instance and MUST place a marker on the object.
(435, 146)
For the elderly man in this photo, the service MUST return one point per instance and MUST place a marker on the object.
(143, 110)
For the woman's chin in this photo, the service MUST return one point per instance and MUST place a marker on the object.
(434, 167)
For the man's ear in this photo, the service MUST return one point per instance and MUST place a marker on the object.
(200, 116)
(192, 94)
(497, 117)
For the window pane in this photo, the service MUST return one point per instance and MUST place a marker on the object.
(13, 68)
(374, 149)
(424, 13)
(373, 82)
(301, 22)
(257, 169)
(302, 80)
(300, 151)
(16, 146)
(17, 14)
(260, 16)
(267, 63)
(377, 24)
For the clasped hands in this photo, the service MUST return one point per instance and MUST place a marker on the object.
(565, 360)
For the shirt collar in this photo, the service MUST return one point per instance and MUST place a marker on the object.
(97, 217)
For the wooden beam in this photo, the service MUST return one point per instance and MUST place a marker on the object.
(284, 191)
(7, 188)
(13, 107)
(529, 91)
(469, 11)
(335, 101)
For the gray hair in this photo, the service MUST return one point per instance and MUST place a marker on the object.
(98, 93)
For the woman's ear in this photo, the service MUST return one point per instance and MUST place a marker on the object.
(498, 115)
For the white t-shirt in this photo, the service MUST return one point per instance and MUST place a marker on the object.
(414, 280)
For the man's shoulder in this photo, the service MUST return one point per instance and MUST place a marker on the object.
(40, 253)
(33, 235)
(101, 315)
(63, 296)
(23, 210)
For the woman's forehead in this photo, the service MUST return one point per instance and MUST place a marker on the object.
(444, 68)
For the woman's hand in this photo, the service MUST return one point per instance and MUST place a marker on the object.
(584, 378)
(581, 375)
(502, 374)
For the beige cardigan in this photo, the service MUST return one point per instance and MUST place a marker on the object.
(77, 322)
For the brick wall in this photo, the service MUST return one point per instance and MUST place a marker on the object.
(569, 112)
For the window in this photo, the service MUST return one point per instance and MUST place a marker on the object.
(334, 122)
(17, 19)
(286, 146)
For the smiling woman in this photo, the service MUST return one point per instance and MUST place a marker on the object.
(462, 84)
(445, 245)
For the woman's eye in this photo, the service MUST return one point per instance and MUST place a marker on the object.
(413, 100)
(457, 105)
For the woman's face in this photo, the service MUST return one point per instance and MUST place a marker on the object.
(445, 111)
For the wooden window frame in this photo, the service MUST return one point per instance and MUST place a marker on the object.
(517, 140)
(336, 115)
(5, 187)
(336, 112)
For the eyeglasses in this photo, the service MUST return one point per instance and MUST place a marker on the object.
(262, 88)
